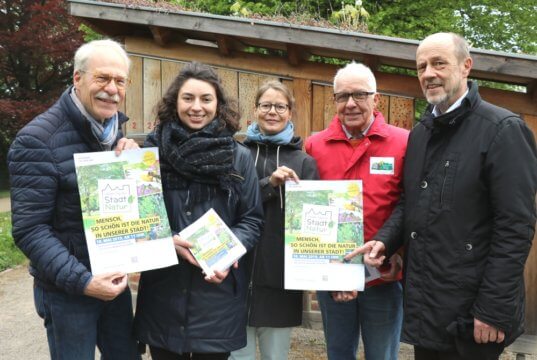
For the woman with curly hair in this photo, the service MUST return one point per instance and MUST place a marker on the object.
(183, 313)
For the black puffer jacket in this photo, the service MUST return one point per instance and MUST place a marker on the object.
(46, 215)
(467, 219)
(268, 303)
(177, 309)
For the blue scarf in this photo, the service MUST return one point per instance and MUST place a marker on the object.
(284, 137)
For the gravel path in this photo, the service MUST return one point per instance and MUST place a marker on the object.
(22, 334)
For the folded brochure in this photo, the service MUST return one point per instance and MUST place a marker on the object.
(215, 247)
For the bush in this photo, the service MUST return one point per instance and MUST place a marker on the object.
(10, 255)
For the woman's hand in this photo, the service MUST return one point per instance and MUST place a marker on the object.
(281, 175)
(182, 248)
(220, 276)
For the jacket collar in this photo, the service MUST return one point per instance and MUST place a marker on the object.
(80, 123)
(378, 128)
(456, 117)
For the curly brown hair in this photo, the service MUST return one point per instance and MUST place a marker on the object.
(226, 110)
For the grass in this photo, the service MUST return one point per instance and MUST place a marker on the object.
(4, 193)
(10, 255)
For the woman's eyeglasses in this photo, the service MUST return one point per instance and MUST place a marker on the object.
(265, 107)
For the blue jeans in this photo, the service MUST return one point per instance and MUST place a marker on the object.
(76, 323)
(377, 313)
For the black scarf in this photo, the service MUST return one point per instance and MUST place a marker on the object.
(200, 161)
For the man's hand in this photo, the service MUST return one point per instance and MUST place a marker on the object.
(484, 333)
(220, 276)
(373, 251)
(106, 286)
(344, 296)
(125, 144)
(396, 264)
(282, 174)
(182, 248)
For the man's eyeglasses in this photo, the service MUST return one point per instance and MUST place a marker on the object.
(265, 107)
(358, 96)
(102, 79)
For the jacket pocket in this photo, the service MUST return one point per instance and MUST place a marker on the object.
(447, 183)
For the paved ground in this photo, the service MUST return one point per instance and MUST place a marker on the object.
(5, 205)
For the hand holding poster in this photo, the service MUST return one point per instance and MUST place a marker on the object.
(323, 222)
(125, 220)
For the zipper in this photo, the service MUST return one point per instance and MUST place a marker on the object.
(251, 288)
(446, 167)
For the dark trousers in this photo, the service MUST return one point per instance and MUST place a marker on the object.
(161, 354)
(428, 354)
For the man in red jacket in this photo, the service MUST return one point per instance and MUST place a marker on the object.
(352, 147)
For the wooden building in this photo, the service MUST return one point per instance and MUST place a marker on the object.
(246, 52)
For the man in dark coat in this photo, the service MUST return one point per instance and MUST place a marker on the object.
(467, 216)
(80, 310)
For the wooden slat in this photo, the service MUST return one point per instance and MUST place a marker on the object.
(401, 112)
(152, 91)
(302, 94)
(169, 71)
(329, 105)
(230, 82)
(248, 84)
(317, 112)
(133, 98)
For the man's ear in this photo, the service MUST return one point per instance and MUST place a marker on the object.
(376, 101)
(77, 76)
(467, 66)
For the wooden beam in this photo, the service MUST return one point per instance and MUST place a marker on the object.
(295, 54)
(388, 83)
(492, 62)
(225, 46)
(162, 36)
(372, 62)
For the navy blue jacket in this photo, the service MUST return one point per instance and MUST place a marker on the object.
(177, 309)
(46, 215)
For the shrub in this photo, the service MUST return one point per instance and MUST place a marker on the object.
(10, 255)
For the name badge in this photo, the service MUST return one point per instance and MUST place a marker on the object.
(382, 165)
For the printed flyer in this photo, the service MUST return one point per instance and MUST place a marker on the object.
(215, 245)
(323, 223)
(123, 210)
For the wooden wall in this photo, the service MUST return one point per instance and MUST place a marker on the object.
(154, 67)
(315, 108)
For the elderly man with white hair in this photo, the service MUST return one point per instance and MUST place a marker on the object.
(354, 145)
(80, 310)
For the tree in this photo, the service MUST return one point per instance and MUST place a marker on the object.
(492, 24)
(37, 43)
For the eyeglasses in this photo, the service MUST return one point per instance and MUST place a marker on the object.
(359, 96)
(265, 107)
(102, 79)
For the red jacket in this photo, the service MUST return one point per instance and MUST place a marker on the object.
(337, 159)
